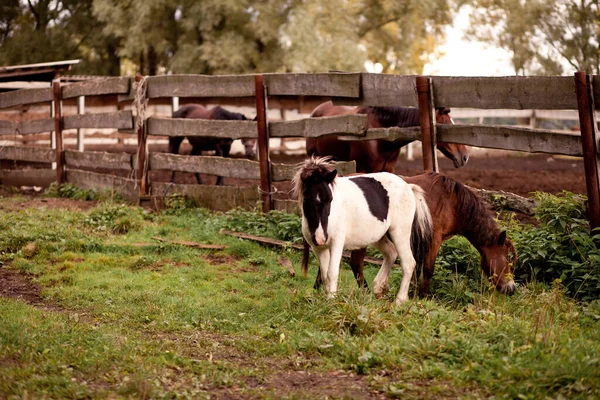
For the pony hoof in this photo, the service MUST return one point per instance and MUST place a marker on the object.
(401, 300)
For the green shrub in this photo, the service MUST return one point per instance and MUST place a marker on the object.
(114, 218)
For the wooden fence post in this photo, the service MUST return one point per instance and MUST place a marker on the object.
(60, 156)
(585, 105)
(427, 122)
(263, 143)
(80, 134)
(142, 133)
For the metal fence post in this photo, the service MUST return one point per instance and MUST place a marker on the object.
(60, 165)
(263, 143)
(585, 106)
(426, 120)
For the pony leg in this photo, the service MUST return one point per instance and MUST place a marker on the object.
(336, 249)
(429, 266)
(408, 263)
(357, 263)
(323, 256)
(174, 144)
(387, 248)
(196, 151)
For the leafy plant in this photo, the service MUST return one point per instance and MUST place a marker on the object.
(114, 218)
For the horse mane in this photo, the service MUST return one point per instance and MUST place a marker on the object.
(219, 113)
(393, 116)
(472, 214)
(306, 169)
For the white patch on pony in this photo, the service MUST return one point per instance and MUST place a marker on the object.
(320, 236)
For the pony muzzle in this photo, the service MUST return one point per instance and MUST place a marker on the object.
(320, 237)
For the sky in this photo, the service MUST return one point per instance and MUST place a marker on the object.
(465, 58)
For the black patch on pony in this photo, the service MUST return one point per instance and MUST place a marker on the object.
(376, 195)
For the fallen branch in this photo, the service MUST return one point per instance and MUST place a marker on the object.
(281, 243)
(507, 200)
(192, 244)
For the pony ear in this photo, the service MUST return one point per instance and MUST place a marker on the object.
(502, 238)
(330, 176)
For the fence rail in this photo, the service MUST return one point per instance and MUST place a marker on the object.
(514, 95)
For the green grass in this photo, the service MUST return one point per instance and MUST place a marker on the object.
(135, 318)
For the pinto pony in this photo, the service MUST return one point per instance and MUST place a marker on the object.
(354, 212)
(221, 146)
(378, 155)
(455, 210)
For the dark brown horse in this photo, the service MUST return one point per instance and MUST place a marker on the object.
(221, 146)
(378, 155)
(455, 210)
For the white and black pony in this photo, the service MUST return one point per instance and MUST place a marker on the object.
(354, 212)
(221, 146)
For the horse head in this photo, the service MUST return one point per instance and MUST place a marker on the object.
(458, 153)
(496, 262)
(312, 185)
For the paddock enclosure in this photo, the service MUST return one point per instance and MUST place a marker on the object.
(136, 171)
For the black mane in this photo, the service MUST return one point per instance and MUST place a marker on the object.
(393, 116)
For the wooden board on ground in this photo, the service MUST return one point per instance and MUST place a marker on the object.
(27, 177)
(216, 198)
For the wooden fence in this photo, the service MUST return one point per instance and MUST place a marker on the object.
(517, 93)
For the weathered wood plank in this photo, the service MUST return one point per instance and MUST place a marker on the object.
(115, 120)
(200, 86)
(26, 127)
(97, 159)
(506, 138)
(27, 177)
(391, 134)
(227, 167)
(285, 172)
(596, 87)
(33, 154)
(514, 92)
(217, 198)
(117, 85)
(93, 180)
(352, 124)
(324, 84)
(201, 127)
(25, 96)
(384, 90)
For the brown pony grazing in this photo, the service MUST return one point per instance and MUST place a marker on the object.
(455, 210)
(221, 146)
(378, 155)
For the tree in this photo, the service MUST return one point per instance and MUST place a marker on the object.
(545, 37)
(51, 30)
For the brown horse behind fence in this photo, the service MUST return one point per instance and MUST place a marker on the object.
(221, 146)
(378, 155)
(455, 210)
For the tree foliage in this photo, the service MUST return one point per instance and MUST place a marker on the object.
(223, 36)
(545, 37)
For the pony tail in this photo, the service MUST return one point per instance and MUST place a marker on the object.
(422, 228)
